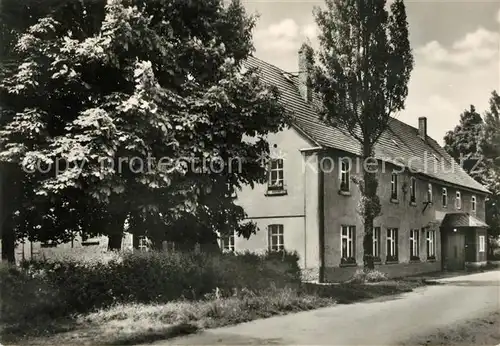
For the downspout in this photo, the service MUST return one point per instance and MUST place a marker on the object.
(306, 186)
(321, 220)
(305, 152)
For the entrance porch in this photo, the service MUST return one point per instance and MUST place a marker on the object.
(463, 241)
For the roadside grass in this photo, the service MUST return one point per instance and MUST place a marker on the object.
(130, 324)
(480, 331)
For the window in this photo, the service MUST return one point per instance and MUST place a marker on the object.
(169, 246)
(347, 239)
(414, 245)
(143, 243)
(413, 190)
(276, 181)
(444, 196)
(376, 243)
(276, 240)
(49, 243)
(429, 193)
(345, 175)
(394, 186)
(227, 243)
(86, 241)
(473, 204)
(197, 248)
(458, 200)
(431, 244)
(482, 243)
(392, 244)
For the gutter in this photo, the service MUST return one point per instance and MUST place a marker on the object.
(443, 183)
(321, 222)
(305, 150)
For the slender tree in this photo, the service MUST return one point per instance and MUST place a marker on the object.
(364, 65)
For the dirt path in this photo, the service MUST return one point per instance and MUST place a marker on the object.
(386, 321)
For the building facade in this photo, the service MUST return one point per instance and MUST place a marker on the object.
(432, 212)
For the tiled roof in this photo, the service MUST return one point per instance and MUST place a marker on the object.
(456, 220)
(400, 144)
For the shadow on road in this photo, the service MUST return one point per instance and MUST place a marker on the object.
(431, 277)
(471, 283)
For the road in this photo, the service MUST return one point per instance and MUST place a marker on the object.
(385, 321)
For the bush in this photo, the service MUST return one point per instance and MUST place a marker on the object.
(362, 276)
(61, 286)
(26, 295)
(494, 257)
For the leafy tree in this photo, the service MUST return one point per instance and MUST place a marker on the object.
(15, 18)
(463, 142)
(489, 143)
(489, 147)
(365, 62)
(135, 106)
(475, 145)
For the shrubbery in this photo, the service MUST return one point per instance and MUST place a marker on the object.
(363, 276)
(64, 286)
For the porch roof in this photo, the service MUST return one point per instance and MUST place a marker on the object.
(456, 220)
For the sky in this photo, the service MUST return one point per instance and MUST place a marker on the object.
(455, 46)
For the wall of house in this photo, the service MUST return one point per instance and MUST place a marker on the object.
(312, 261)
(2, 211)
(474, 257)
(481, 255)
(341, 209)
(76, 248)
(297, 210)
(471, 244)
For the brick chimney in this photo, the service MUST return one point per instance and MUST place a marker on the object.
(422, 127)
(305, 69)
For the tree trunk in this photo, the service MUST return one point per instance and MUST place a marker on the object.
(135, 241)
(371, 206)
(11, 194)
(115, 242)
(115, 234)
(157, 244)
(133, 228)
(490, 249)
(8, 243)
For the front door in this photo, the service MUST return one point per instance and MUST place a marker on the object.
(455, 251)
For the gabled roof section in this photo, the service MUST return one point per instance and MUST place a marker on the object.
(400, 144)
(456, 220)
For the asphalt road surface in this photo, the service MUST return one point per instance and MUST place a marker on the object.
(386, 321)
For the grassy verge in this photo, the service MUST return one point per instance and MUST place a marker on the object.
(127, 324)
(481, 331)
